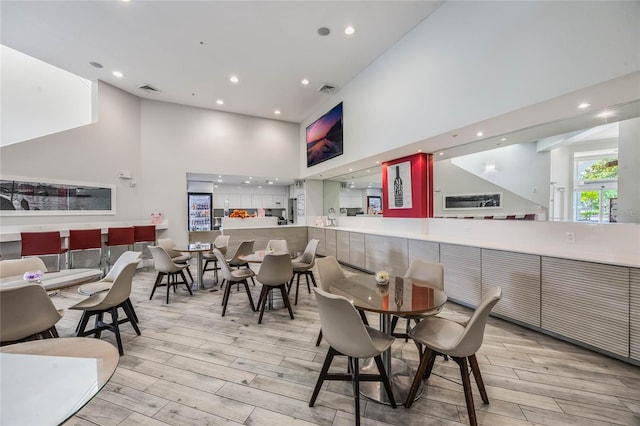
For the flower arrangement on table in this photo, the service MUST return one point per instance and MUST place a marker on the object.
(382, 277)
(32, 276)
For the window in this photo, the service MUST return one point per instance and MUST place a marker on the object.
(596, 184)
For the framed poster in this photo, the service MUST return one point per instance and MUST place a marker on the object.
(399, 186)
(24, 196)
(407, 186)
(472, 201)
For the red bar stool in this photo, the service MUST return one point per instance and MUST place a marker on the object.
(119, 237)
(85, 239)
(41, 244)
(144, 234)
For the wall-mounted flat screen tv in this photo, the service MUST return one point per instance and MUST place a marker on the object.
(324, 137)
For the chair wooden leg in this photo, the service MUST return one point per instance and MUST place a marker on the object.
(54, 331)
(285, 298)
(466, 384)
(168, 286)
(306, 277)
(364, 317)
(263, 301)
(246, 287)
(475, 368)
(116, 329)
(99, 322)
(82, 325)
(133, 311)
(424, 362)
(225, 298)
(130, 316)
(313, 279)
(384, 378)
(297, 288)
(355, 369)
(184, 280)
(319, 339)
(156, 284)
(190, 276)
(323, 374)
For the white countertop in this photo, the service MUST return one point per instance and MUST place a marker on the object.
(605, 253)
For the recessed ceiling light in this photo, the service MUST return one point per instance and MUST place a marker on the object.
(584, 105)
(479, 134)
(349, 30)
(419, 150)
(219, 180)
(95, 64)
(234, 79)
(377, 162)
(605, 114)
(350, 170)
(259, 186)
(276, 112)
(305, 81)
(324, 31)
(247, 182)
(503, 139)
(368, 171)
(441, 153)
(220, 102)
(270, 182)
(250, 177)
(118, 74)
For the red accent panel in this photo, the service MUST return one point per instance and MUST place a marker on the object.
(143, 234)
(421, 186)
(120, 236)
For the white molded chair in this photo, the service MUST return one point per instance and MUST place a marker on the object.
(109, 302)
(233, 276)
(27, 313)
(347, 335)
(460, 342)
(431, 273)
(275, 272)
(221, 243)
(176, 256)
(17, 267)
(277, 246)
(302, 266)
(165, 266)
(330, 271)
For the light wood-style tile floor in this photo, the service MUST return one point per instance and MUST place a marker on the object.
(191, 366)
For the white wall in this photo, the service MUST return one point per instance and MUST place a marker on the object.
(471, 61)
(39, 99)
(159, 143)
(92, 153)
(629, 171)
(176, 140)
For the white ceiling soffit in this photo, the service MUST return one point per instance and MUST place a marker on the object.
(189, 50)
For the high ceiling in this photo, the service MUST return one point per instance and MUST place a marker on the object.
(188, 50)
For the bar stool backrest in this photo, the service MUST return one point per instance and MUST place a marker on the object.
(41, 243)
(85, 239)
(120, 236)
(143, 234)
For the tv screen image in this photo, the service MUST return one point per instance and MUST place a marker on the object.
(324, 137)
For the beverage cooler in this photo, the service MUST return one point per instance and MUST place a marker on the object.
(199, 207)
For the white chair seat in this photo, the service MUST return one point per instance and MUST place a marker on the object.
(93, 288)
(242, 274)
(381, 341)
(182, 258)
(442, 335)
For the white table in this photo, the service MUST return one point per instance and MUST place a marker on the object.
(57, 280)
(199, 250)
(45, 382)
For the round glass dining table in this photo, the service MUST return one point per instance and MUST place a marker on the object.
(401, 297)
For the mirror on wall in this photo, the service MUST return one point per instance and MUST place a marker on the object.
(579, 170)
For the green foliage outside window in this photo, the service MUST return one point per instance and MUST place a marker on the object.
(607, 168)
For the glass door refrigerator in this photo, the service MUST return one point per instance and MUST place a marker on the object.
(199, 207)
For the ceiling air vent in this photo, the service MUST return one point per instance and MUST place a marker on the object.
(327, 88)
(147, 87)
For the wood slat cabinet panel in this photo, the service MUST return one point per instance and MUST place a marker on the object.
(342, 246)
(634, 306)
(519, 276)
(462, 275)
(356, 249)
(318, 234)
(424, 250)
(330, 246)
(588, 302)
(386, 254)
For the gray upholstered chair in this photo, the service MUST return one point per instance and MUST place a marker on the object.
(27, 313)
(176, 256)
(233, 276)
(221, 243)
(109, 302)
(460, 342)
(275, 272)
(431, 273)
(302, 266)
(167, 267)
(347, 335)
(17, 267)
